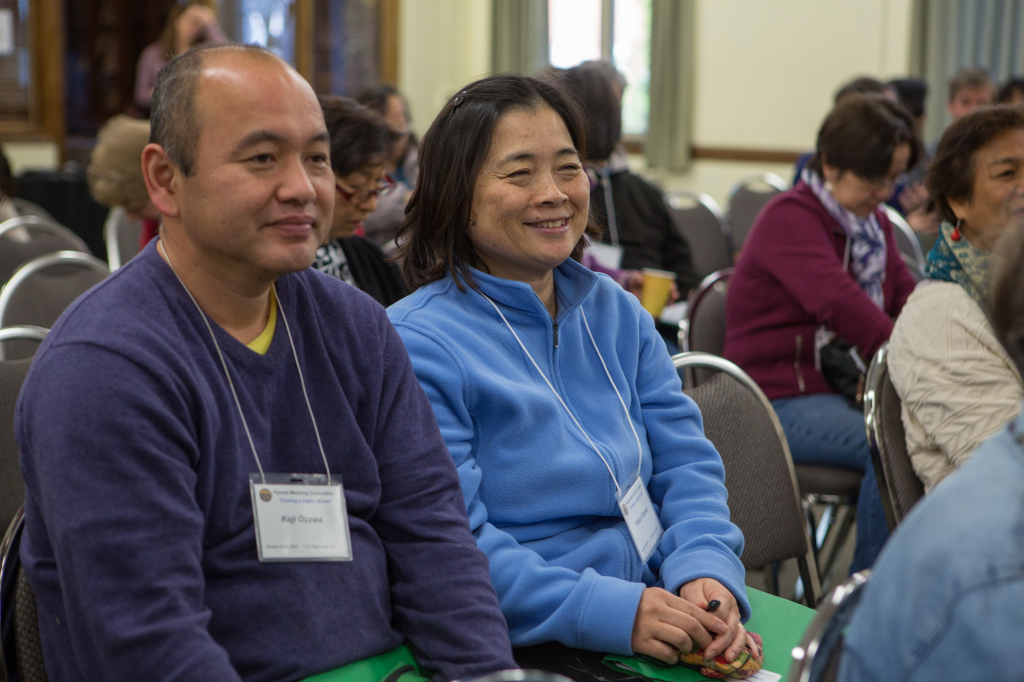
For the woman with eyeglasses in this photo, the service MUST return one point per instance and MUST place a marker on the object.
(821, 275)
(360, 141)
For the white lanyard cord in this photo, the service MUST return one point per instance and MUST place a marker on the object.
(639, 449)
(231, 383)
(568, 411)
(302, 382)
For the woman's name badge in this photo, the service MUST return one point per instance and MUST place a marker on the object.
(300, 517)
(643, 523)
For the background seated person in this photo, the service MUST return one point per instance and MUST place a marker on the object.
(956, 382)
(359, 145)
(1012, 91)
(944, 600)
(631, 209)
(822, 258)
(554, 394)
(115, 172)
(215, 354)
(402, 163)
(188, 23)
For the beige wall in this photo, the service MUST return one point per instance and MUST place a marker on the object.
(443, 45)
(31, 156)
(766, 69)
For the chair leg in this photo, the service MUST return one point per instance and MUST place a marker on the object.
(839, 539)
(805, 580)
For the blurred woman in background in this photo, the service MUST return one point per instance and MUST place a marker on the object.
(820, 268)
(360, 142)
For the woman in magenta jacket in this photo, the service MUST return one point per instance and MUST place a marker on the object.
(822, 257)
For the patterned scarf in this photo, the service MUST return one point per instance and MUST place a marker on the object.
(865, 234)
(331, 259)
(960, 262)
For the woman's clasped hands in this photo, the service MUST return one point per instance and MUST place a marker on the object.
(667, 625)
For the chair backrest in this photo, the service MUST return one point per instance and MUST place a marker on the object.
(121, 234)
(26, 207)
(816, 659)
(702, 223)
(746, 199)
(898, 482)
(12, 487)
(764, 500)
(705, 320)
(21, 650)
(907, 242)
(27, 237)
(20, 342)
(43, 288)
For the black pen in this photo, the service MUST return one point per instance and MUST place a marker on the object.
(713, 604)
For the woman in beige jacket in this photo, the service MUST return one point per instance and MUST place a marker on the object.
(957, 384)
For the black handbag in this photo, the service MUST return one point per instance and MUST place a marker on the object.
(844, 370)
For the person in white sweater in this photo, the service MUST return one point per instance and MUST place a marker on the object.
(956, 382)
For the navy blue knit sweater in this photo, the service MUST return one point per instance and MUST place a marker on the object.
(139, 538)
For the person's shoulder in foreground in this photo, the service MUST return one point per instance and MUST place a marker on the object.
(944, 600)
(140, 539)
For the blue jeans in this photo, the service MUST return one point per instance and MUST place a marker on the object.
(823, 429)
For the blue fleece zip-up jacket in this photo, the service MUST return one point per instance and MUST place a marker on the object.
(541, 503)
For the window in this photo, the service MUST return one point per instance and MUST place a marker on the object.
(616, 30)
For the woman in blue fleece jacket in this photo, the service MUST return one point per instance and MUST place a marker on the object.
(552, 390)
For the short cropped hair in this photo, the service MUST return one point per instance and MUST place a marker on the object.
(970, 77)
(1009, 88)
(376, 97)
(864, 85)
(115, 166)
(1006, 297)
(434, 239)
(174, 121)
(951, 175)
(359, 137)
(911, 93)
(861, 135)
(603, 107)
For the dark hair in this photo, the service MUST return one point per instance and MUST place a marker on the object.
(1006, 297)
(970, 77)
(951, 175)
(376, 97)
(174, 123)
(864, 85)
(359, 137)
(1011, 86)
(602, 106)
(862, 133)
(434, 240)
(912, 93)
(6, 178)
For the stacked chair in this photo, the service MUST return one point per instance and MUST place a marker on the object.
(836, 488)
(900, 487)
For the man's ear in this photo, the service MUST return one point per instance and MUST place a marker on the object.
(163, 180)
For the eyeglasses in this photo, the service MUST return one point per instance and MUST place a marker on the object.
(358, 196)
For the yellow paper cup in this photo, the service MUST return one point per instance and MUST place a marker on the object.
(657, 287)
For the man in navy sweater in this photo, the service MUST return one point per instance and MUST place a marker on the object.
(216, 358)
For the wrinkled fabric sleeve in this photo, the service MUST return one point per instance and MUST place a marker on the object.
(442, 597)
(541, 602)
(688, 478)
(108, 450)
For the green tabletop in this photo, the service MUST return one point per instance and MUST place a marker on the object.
(780, 623)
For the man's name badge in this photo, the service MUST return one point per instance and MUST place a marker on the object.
(643, 523)
(300, 517)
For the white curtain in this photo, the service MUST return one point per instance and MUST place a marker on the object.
(520, 36)
(669, 132)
